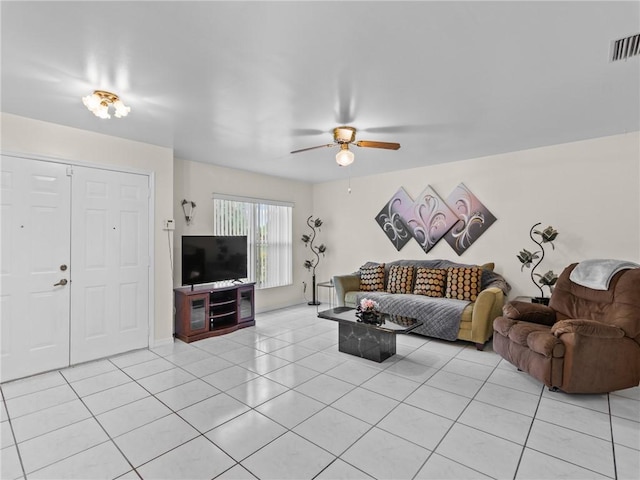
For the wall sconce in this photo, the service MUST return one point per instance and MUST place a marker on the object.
(99, 102)
(187, 208)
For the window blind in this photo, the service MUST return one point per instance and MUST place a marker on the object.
(268, 227)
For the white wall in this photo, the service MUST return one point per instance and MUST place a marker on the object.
(589, 191)
(197, 182)
(34, 137)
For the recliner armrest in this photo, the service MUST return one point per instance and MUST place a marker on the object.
(587, 328)
(529, 312)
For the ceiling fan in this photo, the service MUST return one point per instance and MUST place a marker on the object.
(345, 136)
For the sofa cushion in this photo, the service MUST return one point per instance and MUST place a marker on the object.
(502, 325)
(372, 278)
(400, 279)
(530, 335)
(519, 332)
(545, 344)
(466, 327)
(463, 283)
(351, 299)
(430, 281)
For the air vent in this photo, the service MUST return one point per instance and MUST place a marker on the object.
(625, 48)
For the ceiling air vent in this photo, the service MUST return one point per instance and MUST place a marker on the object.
(625, 47)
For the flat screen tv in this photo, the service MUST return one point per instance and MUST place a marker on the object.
(208, 258)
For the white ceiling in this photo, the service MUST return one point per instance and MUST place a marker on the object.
(241, 84)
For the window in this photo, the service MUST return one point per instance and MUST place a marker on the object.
(267, 225)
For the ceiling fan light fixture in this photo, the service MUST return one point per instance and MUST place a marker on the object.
(344, 134)
(345, 156)
(99, 102)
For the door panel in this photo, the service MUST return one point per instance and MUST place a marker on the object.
(128, 311)
(94, 313)
(35, 202)
(110, 235)
(103, 308)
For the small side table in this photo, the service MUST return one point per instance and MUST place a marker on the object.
(531, 300)
(523, 299)
(332, 291)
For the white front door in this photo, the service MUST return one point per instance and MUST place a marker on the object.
(35, 260)
(74, 277)
(110, 238)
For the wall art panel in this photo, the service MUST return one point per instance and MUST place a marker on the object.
(430, 219)
(391, 218)
(474, 219)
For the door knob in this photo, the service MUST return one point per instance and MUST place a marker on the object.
(61, 282)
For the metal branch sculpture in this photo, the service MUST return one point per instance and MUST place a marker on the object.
(316, 250)
(549, 279)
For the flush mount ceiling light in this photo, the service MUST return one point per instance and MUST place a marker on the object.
(99, 102)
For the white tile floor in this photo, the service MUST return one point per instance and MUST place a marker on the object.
(279, 401)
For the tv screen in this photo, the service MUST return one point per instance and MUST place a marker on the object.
(208, 258)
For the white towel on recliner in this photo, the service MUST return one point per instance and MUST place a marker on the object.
(597, 274)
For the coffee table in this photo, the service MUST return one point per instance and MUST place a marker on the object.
(373, 341)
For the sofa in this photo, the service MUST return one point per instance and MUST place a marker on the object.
(453, 301)
(585, 341)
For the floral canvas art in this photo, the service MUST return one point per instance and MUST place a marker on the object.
(392, 218)
(430, 219)
(461, 219)
(474, 219)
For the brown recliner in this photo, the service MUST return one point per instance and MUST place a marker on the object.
(585, 341)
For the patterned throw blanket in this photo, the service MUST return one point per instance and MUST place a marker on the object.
(440, 317)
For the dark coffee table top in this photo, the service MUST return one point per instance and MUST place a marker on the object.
(388, 322)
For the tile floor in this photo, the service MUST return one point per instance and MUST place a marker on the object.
(278, 401)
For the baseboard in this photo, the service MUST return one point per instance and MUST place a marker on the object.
(161, 342)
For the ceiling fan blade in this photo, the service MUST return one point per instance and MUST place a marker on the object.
(370, 144)
(345, 108)
(401, 129)
(301, 132)
(313, 148)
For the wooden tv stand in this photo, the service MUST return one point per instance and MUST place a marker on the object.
(211, 310)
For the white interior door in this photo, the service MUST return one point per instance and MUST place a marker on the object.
(110, 238)
(34, 305)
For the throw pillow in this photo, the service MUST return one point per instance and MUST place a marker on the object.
(372, 278)
(463, 283)
(430, 281)
(400, 279)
